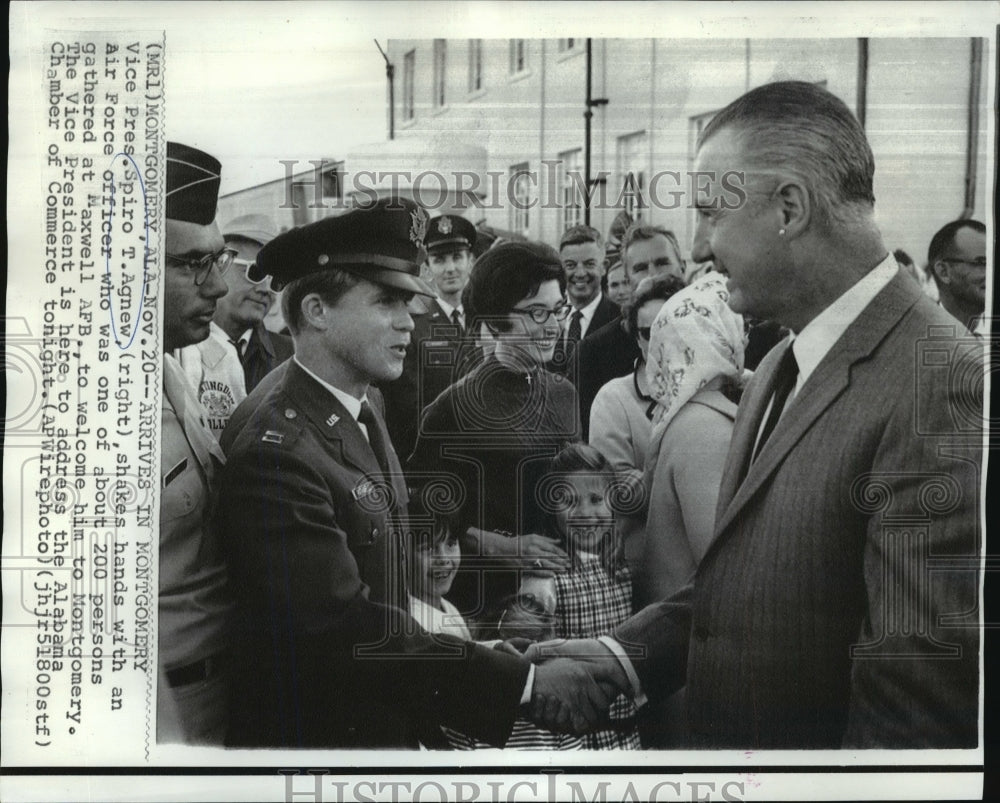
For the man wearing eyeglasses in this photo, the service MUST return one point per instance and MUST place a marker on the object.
(242, 311)
(239, 351)
(957, 261)
(194, 602)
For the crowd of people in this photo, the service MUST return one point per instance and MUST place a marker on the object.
(590, 496)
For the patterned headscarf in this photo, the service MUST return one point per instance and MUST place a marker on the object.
(694, 339)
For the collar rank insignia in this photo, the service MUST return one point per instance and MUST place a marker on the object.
(444, 225)
(418, 227)
(333, 419)
(272, 437)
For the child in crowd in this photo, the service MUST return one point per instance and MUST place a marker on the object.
(434, 560)
(595, 595)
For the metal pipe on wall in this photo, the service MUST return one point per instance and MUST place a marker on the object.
(972, 133)
(861, 109)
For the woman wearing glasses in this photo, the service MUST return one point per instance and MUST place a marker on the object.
(495, 430)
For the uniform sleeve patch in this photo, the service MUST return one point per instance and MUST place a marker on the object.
(175, 472)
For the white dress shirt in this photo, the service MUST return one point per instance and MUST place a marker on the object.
(448, 309)
(586, 316)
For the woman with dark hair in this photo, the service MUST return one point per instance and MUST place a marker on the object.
(497, 428)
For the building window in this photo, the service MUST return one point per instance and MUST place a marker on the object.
(475, 65)
(571, 187)
(409, 63)
(566, 45)
(520, 190)
(440, 53)
(632, 160)
(518, 56)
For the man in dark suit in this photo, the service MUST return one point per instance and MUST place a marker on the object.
(437, 356)
(312, 510)
(837, 606)
(581, 251)
(241, 313)
(608, 351)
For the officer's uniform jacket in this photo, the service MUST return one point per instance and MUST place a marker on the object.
(438, 355)
(327, 655)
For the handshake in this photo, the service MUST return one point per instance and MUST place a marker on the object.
(575, 683)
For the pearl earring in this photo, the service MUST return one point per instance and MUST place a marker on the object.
(781, 232)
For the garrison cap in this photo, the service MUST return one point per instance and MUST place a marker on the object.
(449, 233)
(258, 229)
(382, 242)
(193, 179)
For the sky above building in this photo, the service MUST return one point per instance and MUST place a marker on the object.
(259, 82)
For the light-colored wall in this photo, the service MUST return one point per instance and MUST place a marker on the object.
(917, 124)
(917, 115)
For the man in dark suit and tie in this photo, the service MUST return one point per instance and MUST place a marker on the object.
(609, 351)
(437, 356)
(581, 251)
(313, 509)
(837, 606)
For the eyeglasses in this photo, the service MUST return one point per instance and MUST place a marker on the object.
(644, 332)
(200, 267)
(541, 314)
(976, 263)
(253, 274)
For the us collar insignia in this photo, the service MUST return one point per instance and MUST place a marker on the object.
(333, 419)
(418, 227)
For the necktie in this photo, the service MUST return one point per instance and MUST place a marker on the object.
(573, 334)
(239, 345)
(375, 440)
(456, 318)
(785, 378)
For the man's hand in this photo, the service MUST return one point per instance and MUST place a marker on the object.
(573, 696)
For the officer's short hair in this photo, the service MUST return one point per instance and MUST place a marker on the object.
(330, 285)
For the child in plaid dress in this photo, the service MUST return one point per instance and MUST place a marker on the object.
(595, 596)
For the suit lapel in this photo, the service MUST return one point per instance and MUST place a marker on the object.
(330, 418)
(748, 421)
(830, 379)
(606, 312)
